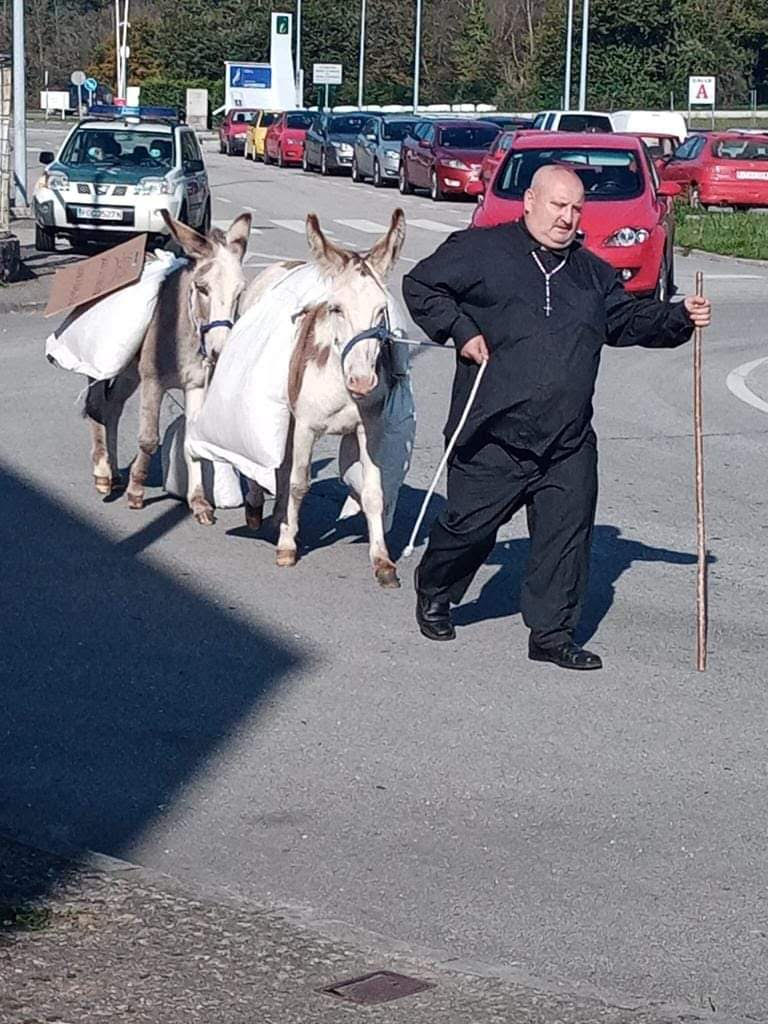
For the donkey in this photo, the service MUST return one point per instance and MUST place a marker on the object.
(194, 315)
(335, 387)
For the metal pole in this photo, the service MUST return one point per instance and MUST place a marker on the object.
(701, 533)
(417, 58)
(19, 108)
(568, 58)
(124, 56)
(325, 105)
(584, 56)
(361, 64)
(5, 148)
(117, 48)
(299, 83)
(79, 101)
(46, 95)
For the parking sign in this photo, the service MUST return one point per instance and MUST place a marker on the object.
(701, 90)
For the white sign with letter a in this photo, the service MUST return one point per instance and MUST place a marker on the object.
(701, 89)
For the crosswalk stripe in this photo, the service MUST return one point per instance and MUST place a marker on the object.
(371, 227)
(224, 224)
(298, 226)
(433, 225)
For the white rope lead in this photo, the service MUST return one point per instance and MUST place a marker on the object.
(444, 461)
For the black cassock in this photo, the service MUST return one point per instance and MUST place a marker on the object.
(529, 438)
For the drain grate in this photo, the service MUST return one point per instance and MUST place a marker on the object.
(378, 987)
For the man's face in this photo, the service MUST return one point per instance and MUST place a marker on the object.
(553, 208)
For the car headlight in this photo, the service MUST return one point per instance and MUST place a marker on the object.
(343, 148)
(628, 236)
(459, 165)
(153, 187)
(57, 180)
(392, 154)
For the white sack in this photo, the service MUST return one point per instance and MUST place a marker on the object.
(221, 482)
(245, 418)
(102, 338)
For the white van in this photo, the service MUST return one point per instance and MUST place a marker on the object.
(650, 122)
(572, 121)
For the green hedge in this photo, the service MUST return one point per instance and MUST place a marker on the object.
(169, 92)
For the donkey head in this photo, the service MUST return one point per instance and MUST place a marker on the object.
(217, 279)
(357, 298)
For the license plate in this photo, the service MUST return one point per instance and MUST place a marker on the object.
(752, 175)
(98, 213)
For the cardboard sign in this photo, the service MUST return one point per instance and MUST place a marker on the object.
(101, 274)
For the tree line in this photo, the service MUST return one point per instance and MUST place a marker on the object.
(507, 52)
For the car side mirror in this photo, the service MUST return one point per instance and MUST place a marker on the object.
(193, 166)
(668, 189)
(474, 188)
(46, 157)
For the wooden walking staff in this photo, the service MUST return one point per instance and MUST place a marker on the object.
(701, 536)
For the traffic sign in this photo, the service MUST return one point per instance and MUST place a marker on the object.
(77, 78)
(701, 90)
(90, 85)
(326, 74)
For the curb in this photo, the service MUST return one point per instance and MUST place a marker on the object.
(33, 306)
(719, 257)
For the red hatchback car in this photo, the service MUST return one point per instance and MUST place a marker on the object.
(233, 129)
(628, 219)
(495, 155)
(284, 141)
(444, 156)
(722, 169)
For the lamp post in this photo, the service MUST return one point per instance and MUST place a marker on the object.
(361, 64)
(568, 58)
(299, 77)
(417, 58)
(584, 56)
(19, 109)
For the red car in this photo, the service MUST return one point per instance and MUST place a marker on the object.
(233, 129)
(495, 155)
(628, 220)
(661, 147)
(284, 141)
(722, 169)
(444, 156)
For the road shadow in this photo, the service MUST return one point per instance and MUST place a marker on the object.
(612, 556)
(118, 682)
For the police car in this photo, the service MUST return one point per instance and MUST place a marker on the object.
(115, 172)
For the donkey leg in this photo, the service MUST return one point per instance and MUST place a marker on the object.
(303, 443)
(201, 508)
(149, 441)
(122, 389)
(254, 505)
(102, 470)
(103, 408)
(372, 501)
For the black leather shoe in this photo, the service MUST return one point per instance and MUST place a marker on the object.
(565, 655)
(433, 615)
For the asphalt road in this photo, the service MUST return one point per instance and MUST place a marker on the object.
(287, 737)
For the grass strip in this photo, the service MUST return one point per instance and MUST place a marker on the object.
(730, 234)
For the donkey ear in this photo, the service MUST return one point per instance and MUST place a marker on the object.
(383, 255)
(193, 244)
(238, 233)
(327, 255)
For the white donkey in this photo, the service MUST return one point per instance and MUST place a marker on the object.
(339, 378)
(191, 323)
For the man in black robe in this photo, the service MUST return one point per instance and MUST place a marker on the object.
(530, 299)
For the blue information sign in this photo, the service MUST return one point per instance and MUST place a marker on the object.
(90, 84)
(243, 77)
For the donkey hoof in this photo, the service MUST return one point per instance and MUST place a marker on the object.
(118, 484)
(253, 517)
(103, 484)
(135, 501)
(205, 517)
(286, 557)
(386, 575)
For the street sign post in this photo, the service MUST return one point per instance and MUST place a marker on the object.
(701, 93)
(327, 74)
(78, 78)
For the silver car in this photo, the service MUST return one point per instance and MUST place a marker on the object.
(376, 153)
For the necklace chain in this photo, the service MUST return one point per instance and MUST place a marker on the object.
(548, 275)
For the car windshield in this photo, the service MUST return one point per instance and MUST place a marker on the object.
(103, 147)
(396, 131)
(268, 118)
(468, 137)
(741, 149)
(244, 116)
(346, 125)
(605, 173)
(584, 123)
(298, 121)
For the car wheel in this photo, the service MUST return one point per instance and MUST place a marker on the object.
(662, 285)
(305, 163)
(355, 172)
(434, 188)
(378, 181)
(183, 215)
(266, 158)
(280, 158)
(45, 239)
(324, 164)
(406, 188)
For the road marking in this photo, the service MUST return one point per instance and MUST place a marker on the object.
(221, 199)
(370, 227)
(224, 225)
(298, 226)
(736, 382)
(735, 277)
(433, 225)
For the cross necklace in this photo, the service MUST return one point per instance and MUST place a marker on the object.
(548, 275)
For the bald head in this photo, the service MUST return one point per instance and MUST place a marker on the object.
(553, 204)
